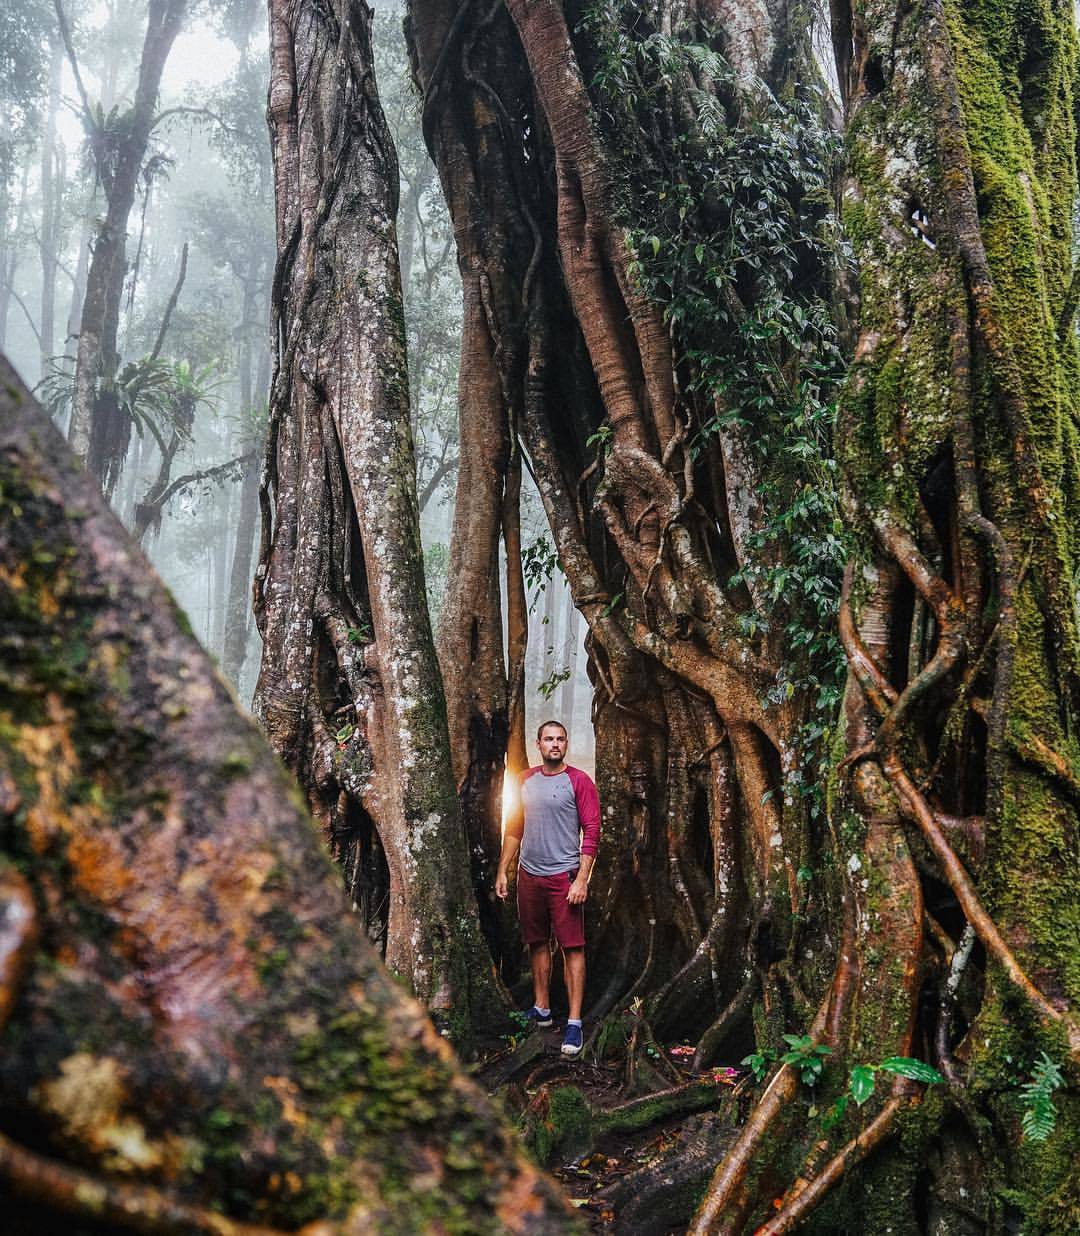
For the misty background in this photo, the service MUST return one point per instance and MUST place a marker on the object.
(194, 319)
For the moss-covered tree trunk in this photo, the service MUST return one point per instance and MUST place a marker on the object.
(193, 1028)
(349, 688)
(955, 809)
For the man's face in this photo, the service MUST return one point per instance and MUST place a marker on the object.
(552, 744)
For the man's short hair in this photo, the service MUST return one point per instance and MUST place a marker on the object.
(546, 724)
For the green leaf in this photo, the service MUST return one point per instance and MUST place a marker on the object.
(758, 1063)
(917, 1070)
(612, 605)
(699, 253)
(861, 1084)
(655, 242)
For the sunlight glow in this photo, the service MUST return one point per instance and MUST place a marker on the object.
(510, 797)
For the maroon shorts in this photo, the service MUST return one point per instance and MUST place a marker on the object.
(543, 909)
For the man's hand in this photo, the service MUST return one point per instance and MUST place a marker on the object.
(502, 885)
(579, 890)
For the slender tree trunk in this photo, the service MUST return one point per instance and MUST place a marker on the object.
(254, 389)
(78, 287)
(349, 688)
(190, 1019)
(52, 196)
(100, 430)
(238, 600)
(241, 572)
(10, 254)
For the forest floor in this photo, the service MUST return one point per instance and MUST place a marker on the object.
(635, 1180)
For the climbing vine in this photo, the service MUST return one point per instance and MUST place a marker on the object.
(731, 229)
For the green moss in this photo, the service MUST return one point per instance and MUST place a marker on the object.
(236, 764)
(558, 1127)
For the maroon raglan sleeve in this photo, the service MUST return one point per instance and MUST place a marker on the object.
(588, 809)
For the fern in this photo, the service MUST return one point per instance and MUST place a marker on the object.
(711, 64)
(1040, 1114)
(710, 115)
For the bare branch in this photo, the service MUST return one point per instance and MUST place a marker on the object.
(206, 114)
(162, 331)
(147, 512)
(30, 321)
(69, 47)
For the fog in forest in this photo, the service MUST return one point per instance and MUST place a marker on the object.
(194, 336)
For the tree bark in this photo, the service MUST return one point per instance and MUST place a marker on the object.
(577, 352)
(194, 1029)
(349, 688)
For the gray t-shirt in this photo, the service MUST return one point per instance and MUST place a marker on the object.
(554, 820)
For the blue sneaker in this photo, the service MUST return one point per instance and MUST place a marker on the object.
(572, 1042)
(534, 1017)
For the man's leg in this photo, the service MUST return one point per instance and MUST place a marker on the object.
(540, 961)
(574, 970)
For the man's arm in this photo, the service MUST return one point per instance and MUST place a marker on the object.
(588, 808)
(579, 890)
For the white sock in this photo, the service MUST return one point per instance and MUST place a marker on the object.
(543, 1012)
(573, 1021)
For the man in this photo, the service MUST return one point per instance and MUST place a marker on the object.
(557, 831)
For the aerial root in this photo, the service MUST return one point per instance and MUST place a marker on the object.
(879, 692)
(912, 801)
(738, 1007)
(916, 808)
(728, 1201)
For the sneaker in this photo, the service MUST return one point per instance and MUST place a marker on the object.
(572, 1042)
(534, 1017)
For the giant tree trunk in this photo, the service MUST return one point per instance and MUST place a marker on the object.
(195, 1037)
(960, 453)
(723, 889)
(571, 351)
(100, 430)
(471, 76)
(349, 688)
